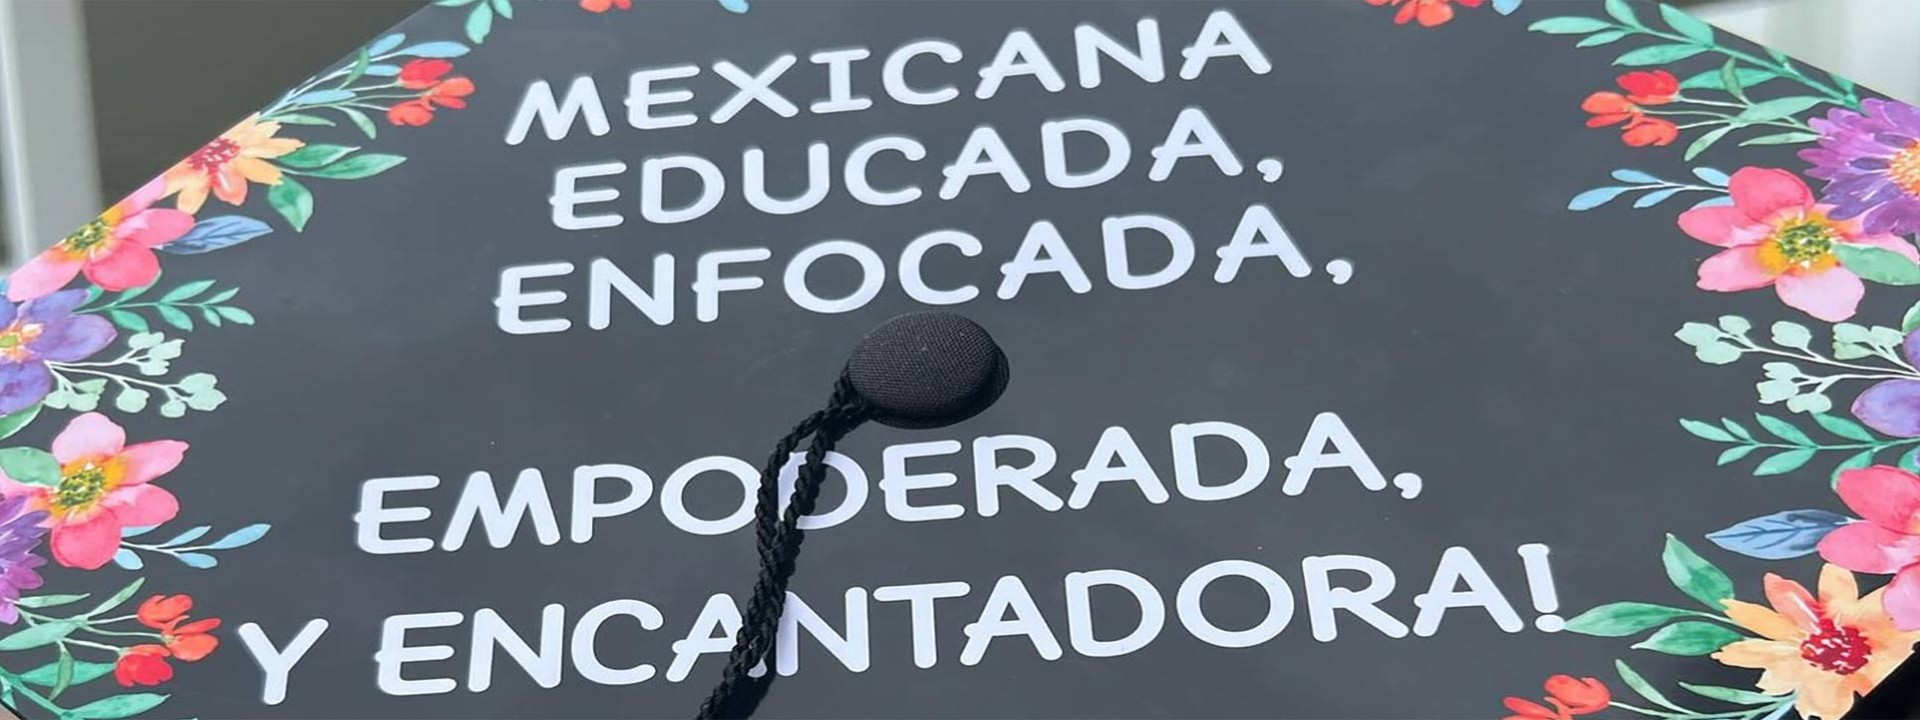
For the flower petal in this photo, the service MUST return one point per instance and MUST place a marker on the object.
(1892, 406)
(127, 266)
(1886, 496)
(45, 273)
(1720, 225)
(1869, 548)
(1832, 296)
(1763, 621)
(88, 435)
(89, 544)
(1837, 587)
(22, 385)
(1888, 242)
(51, 308)
(142, 505)
(1735, 269)
(149, 460)
(144, 197)
(1793, 602)
(155, 227)
(1762, 193)
(73, 338)
(1902, 599)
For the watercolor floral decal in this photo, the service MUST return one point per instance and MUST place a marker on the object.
(1851, 388)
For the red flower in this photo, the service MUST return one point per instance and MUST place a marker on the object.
(412, 113)
(1644, 88)
(143, 665)
(600, 6)
(1430, 13)
(452, 93)
(189, 642)
(1569, 696)
(424, 73)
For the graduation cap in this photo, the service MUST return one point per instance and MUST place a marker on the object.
(1354, 358)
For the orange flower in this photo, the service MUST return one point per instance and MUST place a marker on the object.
(224, 166)
(189, 642)
(1568, 695)
(1828, 649)
(451, 93)
(412, 113)
(142, 665)
(423, 73)
(1430, 13)
(1643, 88)
(600, 6)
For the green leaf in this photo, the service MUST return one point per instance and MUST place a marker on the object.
(46, 601)
(174, 316)
(1737, 429)
(1690, 639)
(1791, 335)
(1698, 334)
(1844, 428)
(1658, 55)
(293, 201)
(1784, 462)
(1863, 459)
(12, 423)
(1705, 431)
(1785, 138)
(361, 60)
(31, 465)
(39, 635)
(1879, 265)
(118, 706)
(235, 315)
(360, 120)
(129, 319)
(1910, 321)
(1569, 25)
(1707, 140)
(1777, 108)
(1600, 38)
(1730, 81)
(1731, 695)
(83, 673)
(1734, 324)
(365, 165)
(300, 119)
(1695, 576)
(1623, 11)
(119, 597)
(1734, 454)
(1692, 27)
(1644, 688)
(504, 7)
(314, 156)
(186, 291)
(1783, 430)
(1746, 77)
(62, 673)
(1621, 619)
(480, 22)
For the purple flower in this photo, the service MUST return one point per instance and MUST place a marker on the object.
(39, 330)
(1893, 406)
(1872, 164)
(20, 533)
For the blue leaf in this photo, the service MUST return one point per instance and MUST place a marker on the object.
(734, 6)
(1634, 176)
(241, 538)
(1780, 536)
(1713, 176)
(198, 561)
(322, 97)
(386, 43)
(128, 560)
(1655, 198)
(136, 531)
(1594, 198)
(441, 49)
(383, 70)
(186, 537)
(1506, 7)
(1715, 201)
(214, 233)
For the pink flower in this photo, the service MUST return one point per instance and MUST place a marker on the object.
(115, 250)
(1887, 540)
(102, 487)
(1775, 234)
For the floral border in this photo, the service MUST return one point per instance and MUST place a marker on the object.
(1815, 650)
(88, 329)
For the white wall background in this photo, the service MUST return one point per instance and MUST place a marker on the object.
(1873, 42)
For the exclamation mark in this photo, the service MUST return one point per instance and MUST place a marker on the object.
(1540, 586)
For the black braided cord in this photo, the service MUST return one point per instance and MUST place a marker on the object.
(778, 536)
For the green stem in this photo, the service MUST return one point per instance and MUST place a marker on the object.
(1781, 69)
(14, 683)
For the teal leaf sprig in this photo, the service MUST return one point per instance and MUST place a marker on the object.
(183, 547)
(1654, 189)
(176, 307)
(1790, 448)
(136, 380)
(1801, 377)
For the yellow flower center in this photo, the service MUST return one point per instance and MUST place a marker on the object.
(84, 482)
(1838, 649)
(89, 237)
(14, 339)
(1801, 245)
(1905, 169)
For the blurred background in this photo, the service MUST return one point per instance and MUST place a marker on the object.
(95, 95)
